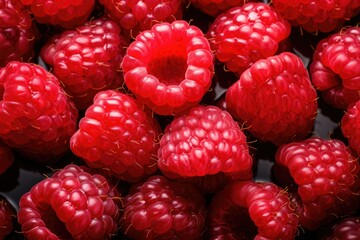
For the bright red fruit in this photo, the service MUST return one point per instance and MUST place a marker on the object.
(36, 116)
(87, 59)
(74, 203)
(335, 70)
(242, 35)
(139, 15)
(317, 15)
(163, 209)
(169, 68)
(252, 210)
(204, 141)
(65, 13)
(118, 135)
(17, 33)
(275, 99)
(346, 229)
(327, 177)
(7, 218)
(350, 126)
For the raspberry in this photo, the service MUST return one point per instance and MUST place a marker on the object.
(350, 126)
(346, 229)
(6, 158)
(118, 135)
(242, 35)
(317, 15)
(7, 218)
(140, 15)
(252, 210)
(335, 68)
(72, 204)
(17, 33)
(274, 99)
(36, 117)
(215, 7)
(204, 141)
(66, 13)
(327, 177)
(163, 209)
(87, 60)
(169, 68)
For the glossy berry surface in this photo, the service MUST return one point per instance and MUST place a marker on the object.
(346, 229)
(252, 210)
(116, 134)
(169, 68)
(163, 209)
(36, 116)
(242, 35)
(350, 126)
(72, 204)
(7, 218)
(327, 177)
(275, 99)
(87, 59)
(335, 68)
(205, 141)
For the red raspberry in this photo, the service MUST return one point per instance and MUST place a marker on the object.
(87, 60)
(163, 209)
(36, 116)
(135, 16)
(117, 134)
(7, 218)
(274, 99)
(317, 15)
(215, 7)
(252, 210)
(72, 204)
(242, 35)
(169, 68)
(346, 229)
(335, 67)
(6, 158)
(327, 178)
(66, 13)
(17, 33)
(205, 141)
(350, 126)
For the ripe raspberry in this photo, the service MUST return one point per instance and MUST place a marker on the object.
(7, 218)
(6, 158)
(72, 204)
(215, 7)
(17, 33)
(116, 133)
(140, 15)
(350, 126)
(252, 210)
(327, 178)
(66, 13)
(242, 35)
(335, 67)
(163, 209)
(36, 117)
(317, 15)
(205, 141)
(169, 68)
(87, 60)
(346, 229)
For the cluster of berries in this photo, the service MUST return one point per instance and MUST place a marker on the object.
(152, 116)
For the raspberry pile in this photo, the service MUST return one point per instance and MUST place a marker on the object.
(189, 120)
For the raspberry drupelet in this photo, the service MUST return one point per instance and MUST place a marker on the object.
(117, 134)
(7, 218)
(6, 158)
(169, 68)
(87, 59)
(162, 209)
(74, 203)
(350, 126)
(326, 174)
(36, 116)
(244, 34)
(347, 229)
(252, 210)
